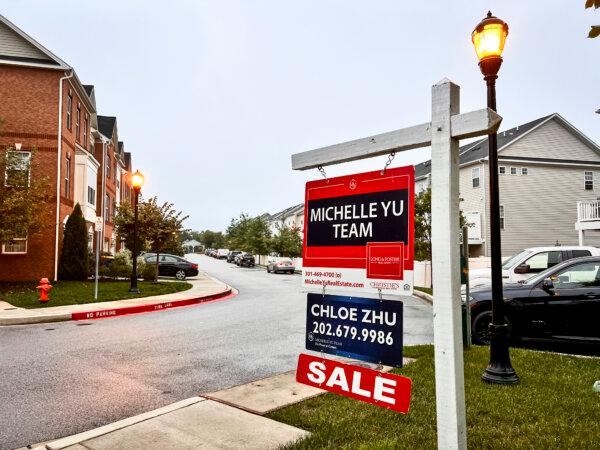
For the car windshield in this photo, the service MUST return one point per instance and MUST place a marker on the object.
(511, 261)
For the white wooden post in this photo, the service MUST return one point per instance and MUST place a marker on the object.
(449, 373)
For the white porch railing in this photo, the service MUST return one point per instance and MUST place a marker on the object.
(588, 210)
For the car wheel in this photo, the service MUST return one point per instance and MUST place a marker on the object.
(480, 328)
(180, 274)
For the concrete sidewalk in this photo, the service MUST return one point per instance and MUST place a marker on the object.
(204, 288)
(228, 419)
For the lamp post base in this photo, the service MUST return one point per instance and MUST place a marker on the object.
(134, 291)
(499, 369)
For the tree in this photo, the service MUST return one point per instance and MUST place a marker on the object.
(287, 242)
(423, 225)
(595, 29)
(73, 263)
(249, 234)
(210, 239)
(21, 196)
(162, 224)
(123, 221)
(159, 226)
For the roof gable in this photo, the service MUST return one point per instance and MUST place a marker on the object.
(478, 150)
(18, 48)
(106, 125)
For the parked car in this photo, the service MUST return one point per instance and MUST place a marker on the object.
(222, 253)
(237, 258)
(246, 260)
(172, 266)
(530, 261)
(561, 303)
(207, 251)
(213, 253)
(285, 265)
(231, 256)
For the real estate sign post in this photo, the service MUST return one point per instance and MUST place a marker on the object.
(442, 133)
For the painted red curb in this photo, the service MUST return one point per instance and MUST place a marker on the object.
(107, 313)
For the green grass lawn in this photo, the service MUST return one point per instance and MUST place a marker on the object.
(553, 407)
(424, 289)
(24, 295)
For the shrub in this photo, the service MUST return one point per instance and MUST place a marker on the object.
(149, 272)
(74, 263)
(121, 265)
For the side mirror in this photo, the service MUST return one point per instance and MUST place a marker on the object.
(548, 286)
(522, 268)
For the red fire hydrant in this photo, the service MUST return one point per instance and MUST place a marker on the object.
(44, 288)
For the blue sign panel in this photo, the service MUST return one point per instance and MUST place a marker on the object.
(355, 327)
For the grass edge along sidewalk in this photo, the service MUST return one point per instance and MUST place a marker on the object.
(24, 295)
(553, 407)
(204, 289)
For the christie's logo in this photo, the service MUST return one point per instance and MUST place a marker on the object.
(382, 285)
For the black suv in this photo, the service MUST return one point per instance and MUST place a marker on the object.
(172, 266)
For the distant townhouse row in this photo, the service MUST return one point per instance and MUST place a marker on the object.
(49, 115)
(549, 188)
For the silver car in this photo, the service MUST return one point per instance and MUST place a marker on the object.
(285, 265)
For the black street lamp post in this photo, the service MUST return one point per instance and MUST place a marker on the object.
(137, 180)
(488, 38)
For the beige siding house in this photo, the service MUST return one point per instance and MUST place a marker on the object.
(549, 187)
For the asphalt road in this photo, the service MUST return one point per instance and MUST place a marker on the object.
(65, 378)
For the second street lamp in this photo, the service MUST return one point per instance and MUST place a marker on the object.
(137, 180)
(488, 38)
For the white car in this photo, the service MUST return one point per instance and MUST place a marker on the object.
(222, 253)
(530, 261)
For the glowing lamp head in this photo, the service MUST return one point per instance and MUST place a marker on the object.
(137, 180)
(488, 38)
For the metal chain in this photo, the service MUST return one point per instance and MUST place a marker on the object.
(323, 173)
(389, 161)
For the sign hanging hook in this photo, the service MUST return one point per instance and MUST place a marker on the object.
(322, 170)
(389, 161)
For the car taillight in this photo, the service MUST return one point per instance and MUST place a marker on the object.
(194, 266)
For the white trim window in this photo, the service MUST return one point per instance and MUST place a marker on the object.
(513, 170)
(17, 246)
(524, 171)
(78, 122)
(502, 170)
(502, 222)
(17, 170)
(68, 177)
(588, 181)
(475, 173)
(69, 109)
(107, 208)
(91, 195)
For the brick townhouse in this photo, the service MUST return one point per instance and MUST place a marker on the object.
(49, 119)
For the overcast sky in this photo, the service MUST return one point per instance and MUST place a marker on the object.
(212, 97)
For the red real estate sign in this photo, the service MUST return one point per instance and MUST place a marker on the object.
(359, 232)
(378, 388)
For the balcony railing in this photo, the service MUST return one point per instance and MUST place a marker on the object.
(588, 210)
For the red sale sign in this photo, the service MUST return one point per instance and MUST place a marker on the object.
(378, 388)
(359, 233)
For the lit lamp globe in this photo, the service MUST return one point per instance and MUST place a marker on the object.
(137, 180)
(488, 38)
